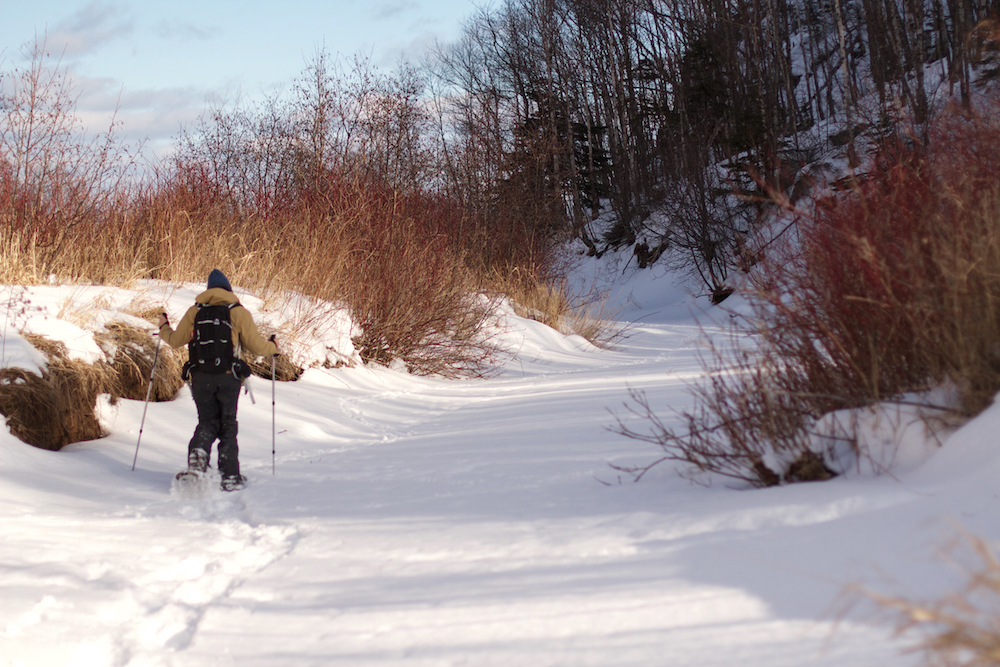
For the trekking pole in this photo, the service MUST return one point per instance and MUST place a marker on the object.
(273, 427)
(149, 390)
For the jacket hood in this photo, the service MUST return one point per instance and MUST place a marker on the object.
(217, 296)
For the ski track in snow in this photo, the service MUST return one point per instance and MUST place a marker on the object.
(420, 521)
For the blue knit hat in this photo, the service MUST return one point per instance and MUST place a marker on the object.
(218, 279)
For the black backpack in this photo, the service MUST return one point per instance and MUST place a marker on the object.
(211, 346)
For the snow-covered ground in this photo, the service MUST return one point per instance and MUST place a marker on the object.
(422, 521)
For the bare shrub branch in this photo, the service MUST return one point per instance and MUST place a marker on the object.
(889, 287)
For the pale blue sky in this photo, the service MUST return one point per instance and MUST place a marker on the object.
(167, 60)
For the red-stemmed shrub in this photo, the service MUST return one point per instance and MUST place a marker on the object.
(898, 281)
(889, 286)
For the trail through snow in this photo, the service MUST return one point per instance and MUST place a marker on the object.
(422, 521)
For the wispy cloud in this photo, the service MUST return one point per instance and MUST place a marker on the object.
(185, 31)
(393, 9)
(146, 116)
(410, 51)
(90, 28)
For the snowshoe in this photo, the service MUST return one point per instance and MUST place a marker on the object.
(234, 483)
(190, 484)
(188, 477)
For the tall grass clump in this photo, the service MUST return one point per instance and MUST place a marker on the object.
(887, 288)
(960, 628)
(384, 254)
(56, 182)
(55, 408)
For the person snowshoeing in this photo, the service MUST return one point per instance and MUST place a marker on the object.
(215, 329)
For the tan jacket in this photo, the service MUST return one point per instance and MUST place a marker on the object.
(245, 331)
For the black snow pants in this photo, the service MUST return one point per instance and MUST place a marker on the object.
(216, 396)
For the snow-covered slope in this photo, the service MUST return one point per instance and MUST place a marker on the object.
(421, 521)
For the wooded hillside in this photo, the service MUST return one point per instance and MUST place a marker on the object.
(560, 107)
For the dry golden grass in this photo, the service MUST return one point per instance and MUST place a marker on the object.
(285, 369)
(593, 321)
(404, 279)
(56, 408)
(131, 351)
(959, 629)
(551, 303)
